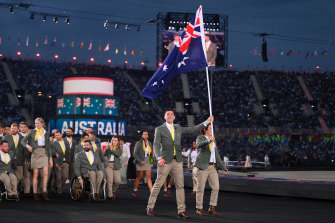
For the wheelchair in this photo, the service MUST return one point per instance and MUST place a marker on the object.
(3, 193)
(84, 193)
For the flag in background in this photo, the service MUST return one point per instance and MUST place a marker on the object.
(99, 48)
(46, 40)
(92, 106)
(72, 43)
(307, 54)
(90, 46)
(107, 47)
(315, 53)
(36, 44)
(281, 53)
(53, 43)
(116, 50)
(81, 45)
(27, 41)
(289, 53)
(324, 53)
(253, 52)
(187, 55)
(271, 51)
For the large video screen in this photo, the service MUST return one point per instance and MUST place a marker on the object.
(88, 85)
(87, 105)
(218, 38)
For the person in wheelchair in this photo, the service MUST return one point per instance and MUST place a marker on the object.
(7, 175)
(88, 164)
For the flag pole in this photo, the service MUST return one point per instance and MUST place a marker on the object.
(209, 100)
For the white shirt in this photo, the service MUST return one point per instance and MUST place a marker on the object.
(226, 160)
(125, 151)
(3, 157)
(92, 156)
(194, 155)
(111, 159)
(41, 140)
(212, 159)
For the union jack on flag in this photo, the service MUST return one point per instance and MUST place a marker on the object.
(187, 55)
(87, 102)
(78, 102)
(110, 103)
(60, 103)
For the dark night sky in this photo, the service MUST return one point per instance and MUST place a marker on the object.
(301, 19)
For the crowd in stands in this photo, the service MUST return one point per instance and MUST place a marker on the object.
(234, 100)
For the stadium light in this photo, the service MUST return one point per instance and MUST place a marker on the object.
(19, 53)
(92, 59)
(74, 58)
(109, 61)
(142, 63)
(160, 64)
(126, 62)
(0, 54)
(38, 55)
(56, 56)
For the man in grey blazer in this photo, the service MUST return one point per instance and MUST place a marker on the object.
(176, 38)
(80, 146)
(208, 160)
(88, 164)
(168, 153)
(7, 175)
(20, 153)
(211, 50)
(61, 154)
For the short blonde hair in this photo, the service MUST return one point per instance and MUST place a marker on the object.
(41, 120)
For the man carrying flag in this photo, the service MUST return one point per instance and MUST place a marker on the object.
(187, 55)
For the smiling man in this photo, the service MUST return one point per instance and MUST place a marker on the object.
(167, 150)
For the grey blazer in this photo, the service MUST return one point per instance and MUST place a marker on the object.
(79, 147)
(72, 147)
(56, 148)
(9, 166)
(164, 145)
(117, 153)
(139, 154)
(204, 154)
(20, 153)
(82, 165)
(212, 53)
(29, 140)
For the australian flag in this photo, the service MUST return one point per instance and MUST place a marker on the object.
(187, 55)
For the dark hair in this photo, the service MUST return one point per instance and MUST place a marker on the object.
(89, 141)
(169, 109)
(3, 141)
(89, 127)
(58, 132)
(70, 129)
(203, 131)
(83, 135)
(144, 132)
(1, 125)
(24, 123)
